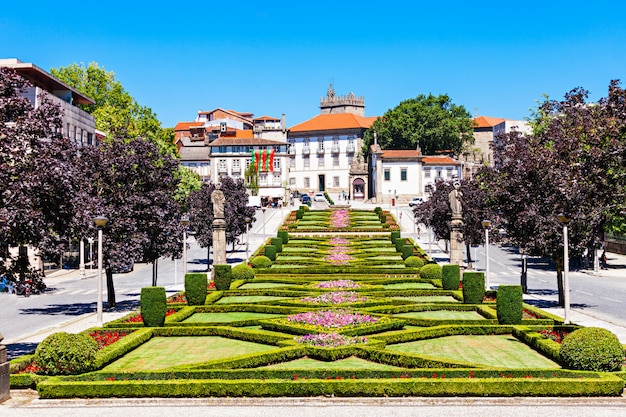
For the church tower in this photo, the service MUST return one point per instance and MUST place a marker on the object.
(333, 104)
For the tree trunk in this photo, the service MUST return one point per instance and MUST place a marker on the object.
(468, 249)
(155, 268)
(110, 289)
(559, 281)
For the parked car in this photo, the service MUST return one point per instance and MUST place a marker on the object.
(319, 197)
(306, 199)
(416, 201)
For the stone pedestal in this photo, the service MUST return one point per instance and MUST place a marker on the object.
(4, 372)
(456, 241)
(219, 242)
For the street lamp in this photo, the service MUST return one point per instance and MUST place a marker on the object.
(90, 240)
(247, 220)
(185, 222)
(263, 210)
(565, 220)
(100, 222)
(486, 224)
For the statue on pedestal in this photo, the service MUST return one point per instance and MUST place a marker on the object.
(454, 197)
(217, 199)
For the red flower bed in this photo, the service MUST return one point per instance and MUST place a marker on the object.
(107, 337)
(136, 318)
(556, 335)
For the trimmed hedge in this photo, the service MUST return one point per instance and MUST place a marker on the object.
(278, 243)
(509, 304)
(473, 287)
(153, 306)
(242, 272)
(414, 262)
(66, 354)
(270, 252)
(261, 261)
(450, 277)
(407, 251)
(284, 236)
(592, 349)
(431, 271)
(196, 288)
(222, 276)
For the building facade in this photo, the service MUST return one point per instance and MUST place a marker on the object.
(78, 125)
(322, 150)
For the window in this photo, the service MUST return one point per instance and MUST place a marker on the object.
(336, 182)
(276, 164)
(320, 161)
(320, 143)
(439, 173)
(307, 182)
(307, 161)
(277, 178)
(248, 162)
(335, 161)
(263, 178)
(387, 174)
(427, 172)
(292, 162)
(221, 165)
(402, 174)
(292, 182)
(236, 165)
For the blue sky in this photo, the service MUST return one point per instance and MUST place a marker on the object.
(495, 58)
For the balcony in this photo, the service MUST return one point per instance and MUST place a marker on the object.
(334, 149)
(320, 151)
(306, 150)
(292, 150)
(350, 148)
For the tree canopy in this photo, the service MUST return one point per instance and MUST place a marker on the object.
(433, 123)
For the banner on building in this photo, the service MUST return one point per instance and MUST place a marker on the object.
(263, 160)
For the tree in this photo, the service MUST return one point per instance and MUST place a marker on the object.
(435, 124)
(36, 175)
(252, 179)
(133, 185)
(573, 164)
(235, 211)
(435, 212)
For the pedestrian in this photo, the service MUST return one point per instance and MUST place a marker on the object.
(603, 263)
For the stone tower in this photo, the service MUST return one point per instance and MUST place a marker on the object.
(333, 104)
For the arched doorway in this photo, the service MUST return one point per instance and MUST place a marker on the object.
(358, 189)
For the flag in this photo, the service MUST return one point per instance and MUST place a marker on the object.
(256, 160)
(264, 156)
(271, 162)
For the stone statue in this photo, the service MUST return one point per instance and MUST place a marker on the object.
(217, 199)
(454, 198)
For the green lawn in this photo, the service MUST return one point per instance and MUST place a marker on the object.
(442, 315)
(228, 317)
(351, 363)
(166, 352)
(429, 299)
(409, 285)
(498, 351)
(248, 299)
(253, 285)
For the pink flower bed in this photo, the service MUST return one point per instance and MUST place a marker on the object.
(330, 340)
(340, 219)
(335, 297)
(331, 318)
(340, 283)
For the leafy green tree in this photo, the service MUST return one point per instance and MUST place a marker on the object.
(433, 123)
(252, 179)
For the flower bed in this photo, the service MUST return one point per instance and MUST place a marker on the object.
(335, 297)
(331, 318)
(330, 340)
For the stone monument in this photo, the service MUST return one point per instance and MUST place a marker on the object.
(456, 225)
(4, 372)
(219, 226)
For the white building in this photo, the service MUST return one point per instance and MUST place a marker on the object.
(322, 149)
(78, 125)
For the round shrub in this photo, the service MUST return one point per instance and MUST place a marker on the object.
(414, 262)
(509, 304)
(450, 277)
(153, 303)
(222, 276)
(242, 271)
(592, 349)
(270, 252)
(261, 262)
(473, 287)
(66, 354)
(196, 288)
(430, 271)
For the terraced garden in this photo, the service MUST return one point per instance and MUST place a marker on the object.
(344, 307)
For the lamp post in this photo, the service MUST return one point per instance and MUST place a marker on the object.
(100, 222)
(185, 222)
(486, 224)
(263, 210)
(564, 221)
(247, 220)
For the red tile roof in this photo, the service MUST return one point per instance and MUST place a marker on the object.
(274, 119)
(242, 141)
(334, 122)
(439, 160)
(400, 154)
(486, 121)
(186, 125)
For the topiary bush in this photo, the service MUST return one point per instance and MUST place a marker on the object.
(431, 271)
(270, 252)
(278, 243)
(284, 236)
(196, 288)
(153, 306)
(261, 261)
(222, 276)
(509, 304)
(406, 251)
(299, 214)
(66, 354)
(414, 262)
(592, 349)
(242, 271)
(395, 235)
(450, 277)
(473, 287)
